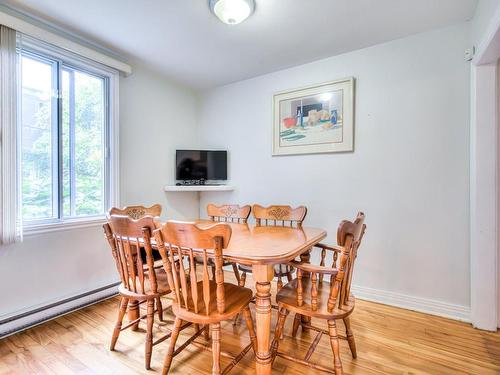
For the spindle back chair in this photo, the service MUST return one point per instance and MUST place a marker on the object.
(182, 239)
(311, 294)
(139, 282)
(197, 299)
(229, 213)
(349, 235)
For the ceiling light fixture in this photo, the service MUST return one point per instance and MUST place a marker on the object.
(232, 12)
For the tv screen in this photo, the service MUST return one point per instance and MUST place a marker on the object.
(201, 164)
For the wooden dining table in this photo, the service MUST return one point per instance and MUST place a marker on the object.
(263, 247)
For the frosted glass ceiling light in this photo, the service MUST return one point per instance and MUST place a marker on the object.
(232, 12)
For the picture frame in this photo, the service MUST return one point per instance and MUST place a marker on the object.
(314, 119)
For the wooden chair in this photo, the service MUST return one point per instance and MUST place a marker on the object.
(327, 300)
(125, 237)
(137, 212)
(276, 216)
(228, 213)
(205, 302)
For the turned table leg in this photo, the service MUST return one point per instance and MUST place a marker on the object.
(263, 275)
(133, 313)
(305, 258)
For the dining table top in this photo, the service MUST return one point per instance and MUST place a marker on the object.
(251, 244)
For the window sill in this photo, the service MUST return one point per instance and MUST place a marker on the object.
(33, 229)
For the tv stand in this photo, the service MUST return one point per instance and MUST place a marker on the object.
(197, 184)
(192, 182)
(207, 187)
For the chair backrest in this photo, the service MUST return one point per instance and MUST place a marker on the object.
(179, 243)
(126, 237)
(137, 212)
(229, 213)
(349, 235)
(279, 215)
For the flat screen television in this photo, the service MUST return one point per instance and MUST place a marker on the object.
(196, 165)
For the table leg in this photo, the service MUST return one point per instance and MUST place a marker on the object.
(133, 313)
(263, 275)
(133, 305)
(305, 258)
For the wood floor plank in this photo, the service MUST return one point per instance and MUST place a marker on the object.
(389, 341)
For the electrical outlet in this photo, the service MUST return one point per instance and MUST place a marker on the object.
(469, 54)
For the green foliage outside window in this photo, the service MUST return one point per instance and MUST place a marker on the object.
(39, 151)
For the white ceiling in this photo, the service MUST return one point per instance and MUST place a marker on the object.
(183, 40)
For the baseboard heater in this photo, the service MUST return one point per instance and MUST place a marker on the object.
(28, 319)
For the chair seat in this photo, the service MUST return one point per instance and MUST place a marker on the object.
(287, 297)
(162, 289)
(236, 298)
(284, 269)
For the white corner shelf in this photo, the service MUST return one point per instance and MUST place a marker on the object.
(199, 188)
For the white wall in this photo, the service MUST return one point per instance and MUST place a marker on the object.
(409, 171)
(156, 117)
(51, 267)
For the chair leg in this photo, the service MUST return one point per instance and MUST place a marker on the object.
(171, 348)
(280, 276)
(296, 324)
(251, 330)
(216, 349)
(278, 331)
(118, 325)
(159, 307)
(236, 319)
(243, 279)
(236, 272)
(241, 282)
(206, 333)
(334, 342)
(150, 317)
(350, 337)
(305, 320)
(280, 283)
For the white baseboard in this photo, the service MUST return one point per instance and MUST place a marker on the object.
(19, 322)
(424, 305)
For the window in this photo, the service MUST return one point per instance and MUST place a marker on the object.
(66, 137)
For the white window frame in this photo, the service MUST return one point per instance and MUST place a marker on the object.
(112, 152)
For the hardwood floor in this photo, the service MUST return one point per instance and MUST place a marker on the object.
(389, 341)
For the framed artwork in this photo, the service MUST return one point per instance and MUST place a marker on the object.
(314, 119)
